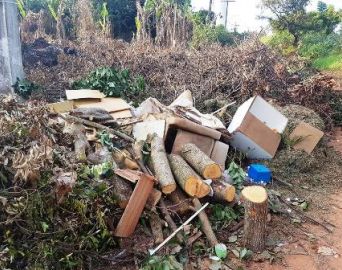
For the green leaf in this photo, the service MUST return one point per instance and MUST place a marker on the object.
(221, 251)
(45, 226)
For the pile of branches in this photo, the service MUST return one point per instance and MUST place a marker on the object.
(52, 214)
(224, 72)
(317, 93)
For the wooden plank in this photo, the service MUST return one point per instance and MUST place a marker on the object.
(135, 206)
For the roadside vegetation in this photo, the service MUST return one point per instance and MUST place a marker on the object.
(316, 36)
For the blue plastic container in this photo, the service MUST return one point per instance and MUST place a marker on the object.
(259, 173)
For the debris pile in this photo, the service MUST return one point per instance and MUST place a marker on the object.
(93, 181)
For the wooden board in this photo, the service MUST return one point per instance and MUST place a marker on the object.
(307, 135)
(83, 93)
(206, 144)
(135, 206)
(109, 104)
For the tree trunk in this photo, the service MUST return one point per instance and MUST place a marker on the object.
(161, 167)
(255, 203)
(223, 191)
(187, 178)
(201, 162)
(205, 224)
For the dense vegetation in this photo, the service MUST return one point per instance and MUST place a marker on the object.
(313, 35)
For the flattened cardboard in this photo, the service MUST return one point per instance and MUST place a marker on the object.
(62, 107)
(181, 123)
(142, 129)
(204, 143)
(109, 104)
(79, 103)
(308, 136)
(83, 94)
(219, 153)
(122, 114)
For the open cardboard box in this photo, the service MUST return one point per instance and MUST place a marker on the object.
(256, 128)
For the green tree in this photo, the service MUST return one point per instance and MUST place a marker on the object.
(288, 15)
(321, 6)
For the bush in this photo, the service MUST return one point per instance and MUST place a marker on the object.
(25, 88)
(329, 62)
(281, 41)
(112, 82)
(208, 34)
(315, 45)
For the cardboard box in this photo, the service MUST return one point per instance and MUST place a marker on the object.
(307, 136)
(254, 138)
(219, 153)
(255, 128)
(261, 110)
(142, 129)
(204, 143)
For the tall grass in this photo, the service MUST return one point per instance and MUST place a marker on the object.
(329, 62)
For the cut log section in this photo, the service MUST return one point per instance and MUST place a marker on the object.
(187, 178)
(122, 191)
(255, 203)
(201, 162)
(161, 167)
(223, 191)
(153, 199)
(181, 203)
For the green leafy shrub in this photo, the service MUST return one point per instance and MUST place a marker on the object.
(208, 34)
(112, 82)
(25, 88)
(329, 62)
(281, 41)
(315, 45)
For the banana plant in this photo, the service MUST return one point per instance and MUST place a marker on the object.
(21, 8)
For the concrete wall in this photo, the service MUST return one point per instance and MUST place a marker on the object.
(11, 66)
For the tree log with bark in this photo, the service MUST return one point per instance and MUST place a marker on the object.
(161, 167)
(223, 191)
(255, 203)
(187, 178)
(201, 162)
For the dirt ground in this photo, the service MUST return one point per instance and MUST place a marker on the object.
(306, 251)
(315, 248)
